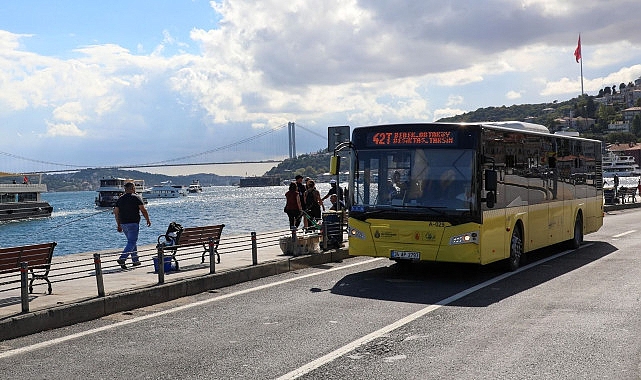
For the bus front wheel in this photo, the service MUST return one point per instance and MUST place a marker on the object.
(516, 250)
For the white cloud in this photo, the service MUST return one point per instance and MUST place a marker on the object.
(326, 63)
(447, 112)
(512, 95)
(63, 129)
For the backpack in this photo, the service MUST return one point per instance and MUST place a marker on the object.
(173, 233)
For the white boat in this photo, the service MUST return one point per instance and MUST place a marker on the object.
(22, 201)
(195, 187)
(112, 188)
(165, 190)
(619, 164)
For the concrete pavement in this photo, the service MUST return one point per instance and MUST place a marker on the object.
(75, 292)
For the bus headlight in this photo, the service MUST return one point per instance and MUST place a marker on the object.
(353, 232)
(469, 237)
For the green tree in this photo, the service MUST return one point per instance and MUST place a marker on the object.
(636, 126)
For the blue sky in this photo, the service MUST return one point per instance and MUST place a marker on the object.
(131, 82)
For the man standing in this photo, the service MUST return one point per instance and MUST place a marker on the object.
(127, 213)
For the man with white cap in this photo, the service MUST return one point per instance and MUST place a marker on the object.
(334, 190)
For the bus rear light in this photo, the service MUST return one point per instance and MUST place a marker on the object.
(470, 237)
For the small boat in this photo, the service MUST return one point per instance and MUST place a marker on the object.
(620, 165)
(195, 187)
(165, 190)
(112, 188)
(22, 201)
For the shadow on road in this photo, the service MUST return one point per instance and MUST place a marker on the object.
(429, 283)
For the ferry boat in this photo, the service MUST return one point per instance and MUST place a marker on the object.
(112, 188)
(619, 164)
(195, 187)
(165, 190)
(22, 201)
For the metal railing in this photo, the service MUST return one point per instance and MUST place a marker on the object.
(70, 268)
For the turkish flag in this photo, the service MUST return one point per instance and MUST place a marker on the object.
(577, 51)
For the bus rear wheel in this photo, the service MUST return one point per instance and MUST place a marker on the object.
(577, 239)
(516, 250)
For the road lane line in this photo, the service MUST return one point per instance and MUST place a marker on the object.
(387, 329)
(67, 338)
(624, 233)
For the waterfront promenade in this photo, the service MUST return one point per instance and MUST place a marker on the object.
(75, 295)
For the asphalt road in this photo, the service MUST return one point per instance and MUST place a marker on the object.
(567, 315)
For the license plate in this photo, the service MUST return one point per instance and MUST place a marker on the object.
(406, 255)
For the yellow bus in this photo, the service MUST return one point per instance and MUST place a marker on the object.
(470, 193)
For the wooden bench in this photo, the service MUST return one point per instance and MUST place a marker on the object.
(207, 236)
(627, 194)
(37, 256)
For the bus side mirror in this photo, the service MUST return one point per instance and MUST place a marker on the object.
(334, 165)
(491, 180)
(491, 184)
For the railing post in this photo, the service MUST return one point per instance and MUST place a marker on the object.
(161, 263)
(255, 249)
(99, 281)
(324, 228)
(24, 292)
(212, 258)
(294, 241)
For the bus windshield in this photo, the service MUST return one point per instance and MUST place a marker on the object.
(434, 181)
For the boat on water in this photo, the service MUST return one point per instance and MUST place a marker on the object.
(620, 165)
(195, 187)
(112, 188)
(165, 190)
(22, 201)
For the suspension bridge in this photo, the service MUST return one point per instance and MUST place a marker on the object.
(13, 164)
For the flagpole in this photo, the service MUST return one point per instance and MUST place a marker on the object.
(581, 75)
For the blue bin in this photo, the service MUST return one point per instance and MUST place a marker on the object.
(167, 260)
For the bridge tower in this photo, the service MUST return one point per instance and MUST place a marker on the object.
(291, 128)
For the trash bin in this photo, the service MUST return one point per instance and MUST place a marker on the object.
(332, 225)
(608, 194)
(167, 267)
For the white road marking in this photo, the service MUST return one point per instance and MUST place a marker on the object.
(387, 329)
(63, 339)
(624, 233)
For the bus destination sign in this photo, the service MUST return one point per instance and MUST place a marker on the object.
(412, 138)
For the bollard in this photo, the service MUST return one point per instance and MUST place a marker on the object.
(212, 261)
(99, 281)
(254, 249)
(24, 292)
(161, 263)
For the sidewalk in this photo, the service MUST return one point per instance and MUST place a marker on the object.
(76, 299)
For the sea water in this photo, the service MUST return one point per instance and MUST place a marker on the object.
(77, 225)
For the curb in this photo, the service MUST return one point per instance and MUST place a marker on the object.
(98, 307)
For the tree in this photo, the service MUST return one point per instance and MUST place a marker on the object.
(636, 126)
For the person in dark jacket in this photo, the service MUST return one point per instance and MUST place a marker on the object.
(293, 207)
